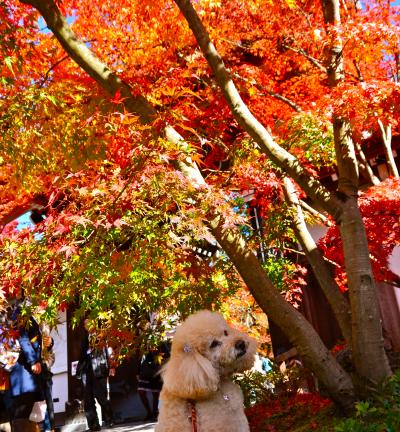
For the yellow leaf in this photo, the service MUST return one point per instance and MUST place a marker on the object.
(252, 91)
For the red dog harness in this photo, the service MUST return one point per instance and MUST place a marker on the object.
(193, 415)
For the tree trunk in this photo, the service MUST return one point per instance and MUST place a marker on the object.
(365, 168)
(345, 157)
(348, 176)
(300, 332)
(367, 341)
(368, 352)
(322, 272)
(387, 144)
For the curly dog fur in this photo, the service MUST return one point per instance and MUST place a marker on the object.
(205, 353)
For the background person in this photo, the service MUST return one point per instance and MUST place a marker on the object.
(149, 379)
(6, 363)
(5, 402)
(94, 369)
(48, 359)
(25, 380)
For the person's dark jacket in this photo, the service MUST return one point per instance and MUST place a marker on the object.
(22, 380)
(92, 360)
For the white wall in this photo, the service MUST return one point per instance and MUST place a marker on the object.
(60, 367)
(318, 231)
(394, 265)
(394, 260)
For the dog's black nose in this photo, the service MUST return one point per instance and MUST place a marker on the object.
(240, 346)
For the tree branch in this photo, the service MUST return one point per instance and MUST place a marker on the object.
(283, 314)
(369, 355)
(53, 66)
(321, 271)
(387, 144)
(360, 76)
(396, 284)
(286, 161)
(311, 59)
(315, 213)
(365, 167)
(83, 56)
(344, 146)
(270, 92)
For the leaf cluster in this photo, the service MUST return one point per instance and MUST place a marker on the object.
(379, 414)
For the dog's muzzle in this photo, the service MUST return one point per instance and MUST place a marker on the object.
(241, 348)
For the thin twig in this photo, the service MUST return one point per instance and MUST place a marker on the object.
(270, 92)
(314, 212)
(311, 59)
(46, 75)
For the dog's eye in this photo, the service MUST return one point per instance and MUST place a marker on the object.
(214, 344)
(225, 333)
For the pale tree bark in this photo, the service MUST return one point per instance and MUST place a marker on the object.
(267, 144)
(387, 144)
(296, 327)
(345, 157)
(321, 270)
(365, 167)
(367, 341)
(334, 53)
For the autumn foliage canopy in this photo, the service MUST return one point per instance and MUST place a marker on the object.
(120, 224)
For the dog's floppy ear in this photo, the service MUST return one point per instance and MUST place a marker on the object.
(189, 375)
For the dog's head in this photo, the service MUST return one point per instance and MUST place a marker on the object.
(204, 349)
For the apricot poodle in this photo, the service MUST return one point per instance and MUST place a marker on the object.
(198, 393)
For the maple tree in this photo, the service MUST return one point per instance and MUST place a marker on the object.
(125, 126)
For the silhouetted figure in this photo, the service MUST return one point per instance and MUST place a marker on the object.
(149, 379)
(94, 369)
(25, 377)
